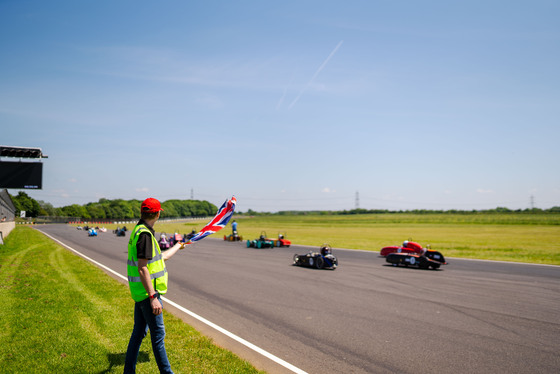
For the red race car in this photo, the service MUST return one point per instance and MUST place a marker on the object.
(407, 247)
(412, 254)
(281, 241)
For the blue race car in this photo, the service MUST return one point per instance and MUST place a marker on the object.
(430, 259)
(324, 259)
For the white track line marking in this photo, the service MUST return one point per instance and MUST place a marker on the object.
(259, 350)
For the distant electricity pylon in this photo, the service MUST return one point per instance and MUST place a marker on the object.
(192, 194)
(532, 202)
(357, 200)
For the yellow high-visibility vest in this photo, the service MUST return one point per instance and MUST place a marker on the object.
(156, 266)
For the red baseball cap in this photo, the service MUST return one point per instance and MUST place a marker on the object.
(151, 205)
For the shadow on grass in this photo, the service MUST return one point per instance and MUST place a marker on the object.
(117, 359)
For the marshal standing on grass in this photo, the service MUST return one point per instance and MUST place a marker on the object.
(147, 279)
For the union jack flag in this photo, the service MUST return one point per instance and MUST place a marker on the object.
(219, 221)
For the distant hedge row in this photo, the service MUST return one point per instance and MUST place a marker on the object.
(130, 209)
(110, 209)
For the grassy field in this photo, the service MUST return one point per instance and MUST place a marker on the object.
(61, 314)
(533, 238)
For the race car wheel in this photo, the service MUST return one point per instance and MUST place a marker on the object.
(296, 258)
(423, 263)
(319, 262)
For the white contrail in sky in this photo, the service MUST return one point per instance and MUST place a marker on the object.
(316, 74)
(279, 104)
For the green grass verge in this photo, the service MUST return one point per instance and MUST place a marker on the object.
(533, 238)
(61, 314)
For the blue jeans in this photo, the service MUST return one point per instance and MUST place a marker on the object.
(144, 318)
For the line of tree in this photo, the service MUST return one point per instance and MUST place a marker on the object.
(555, 209)
(105, 209)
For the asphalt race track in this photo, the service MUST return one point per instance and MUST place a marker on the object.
(364, 317)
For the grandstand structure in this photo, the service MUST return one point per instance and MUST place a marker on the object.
(7, 208)
(7, 215)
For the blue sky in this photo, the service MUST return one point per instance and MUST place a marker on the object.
(287, 105)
